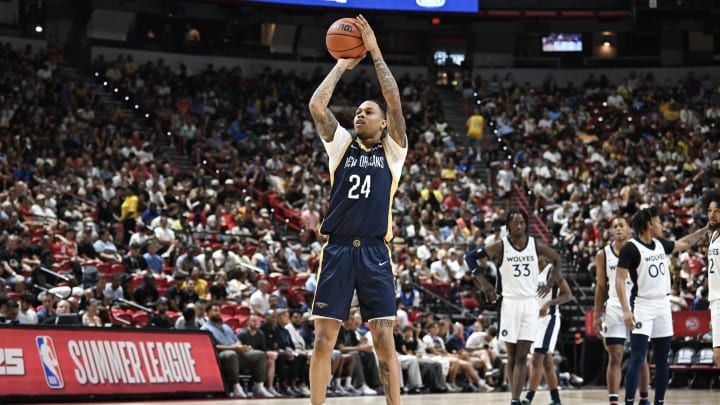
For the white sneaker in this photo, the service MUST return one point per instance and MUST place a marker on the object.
(365, 390)
(238, 391)
(272, 391)
(260, 392)
(340, 391)
(303, 390)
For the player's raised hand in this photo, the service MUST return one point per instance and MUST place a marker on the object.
(368, 34)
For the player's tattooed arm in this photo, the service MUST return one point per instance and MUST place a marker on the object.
(690, 240)
(325, 120)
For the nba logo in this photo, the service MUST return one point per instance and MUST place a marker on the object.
(49, 361)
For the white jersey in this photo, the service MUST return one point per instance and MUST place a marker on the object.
(713, 267)
(519, 270)
(651, 279)
(554, 291)
(611, 261)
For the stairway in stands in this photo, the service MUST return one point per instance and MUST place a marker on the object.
(452, 105)
(110, 100)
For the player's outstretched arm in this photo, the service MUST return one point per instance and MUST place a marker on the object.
(690, 240)
(391, 92)
(325, 120)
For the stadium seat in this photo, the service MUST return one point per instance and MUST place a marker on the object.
(470, 303)
(140, 319)
(117, 268)
(227, 309)
(242, 310)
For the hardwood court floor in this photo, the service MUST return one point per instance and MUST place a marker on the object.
(568, 397)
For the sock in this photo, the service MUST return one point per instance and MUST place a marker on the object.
(661, 348)
(530, 395)
(555, 395)
(515, 402)
(613, 399)
(644, 400)
(348, 381)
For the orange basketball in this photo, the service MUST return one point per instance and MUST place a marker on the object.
(343, 39)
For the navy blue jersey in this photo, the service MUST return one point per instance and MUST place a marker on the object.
(363, 185)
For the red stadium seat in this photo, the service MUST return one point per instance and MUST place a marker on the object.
(105, 268)
(140, 319)
(117, 268)
(242, 310)
(470, 303)
(227, 309)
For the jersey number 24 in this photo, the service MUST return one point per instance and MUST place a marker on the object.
(359, 186)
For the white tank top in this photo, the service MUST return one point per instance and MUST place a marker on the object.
(519, 270)
(554, 291)
(652, 277)
(611, 261)
(714, 267)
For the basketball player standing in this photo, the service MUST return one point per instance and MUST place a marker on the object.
(647, 313)
(711, 202)
(613, 329)
(364, 172)
(518, 280)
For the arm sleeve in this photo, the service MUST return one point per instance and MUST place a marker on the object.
(668, 245)
(629, 257)
(472, 257)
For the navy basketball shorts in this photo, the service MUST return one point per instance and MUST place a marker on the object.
(348, 264)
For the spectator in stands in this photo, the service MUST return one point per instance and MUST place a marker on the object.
(281, 292)
(254, 337)
(27, 315)
(365, 375)
(218, 290)
(147, 293)
(134, 261)
(159, 318)
(181, 293)
(432, 370)
(293, 363)
(9, 312)
(106, 249)
(114, 290)
(701, 302)
(189, 260)
(223, 259)
(235, 356)
(91, 316)
(408, 363)
(63, 308)
(188, 320)
(154, 262)
(260, 299)
(12, 263)
(164, 235)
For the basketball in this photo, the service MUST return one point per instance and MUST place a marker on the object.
(343, 39)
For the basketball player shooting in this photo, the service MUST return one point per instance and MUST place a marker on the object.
(365, 171)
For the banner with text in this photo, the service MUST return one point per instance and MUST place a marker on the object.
(88, 361)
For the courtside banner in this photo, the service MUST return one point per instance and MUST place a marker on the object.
(58, 361)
